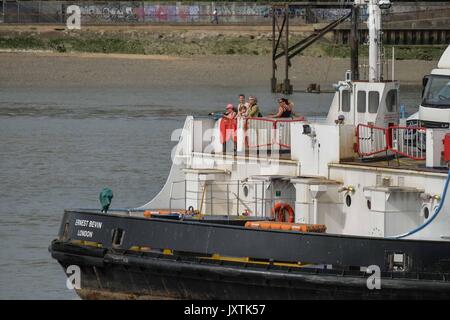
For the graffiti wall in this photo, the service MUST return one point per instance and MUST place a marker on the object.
(104, 12)
(109, 12)
(175, 12)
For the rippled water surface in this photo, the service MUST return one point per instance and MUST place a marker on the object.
(59, 148)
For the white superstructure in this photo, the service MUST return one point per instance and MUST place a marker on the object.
(359, 172)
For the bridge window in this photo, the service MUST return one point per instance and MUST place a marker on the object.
(391, 100)
(361, 101)
(374, 101)
(345, 101)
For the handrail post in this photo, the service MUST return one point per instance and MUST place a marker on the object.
(272, 201)
(185, 194)
(228, 200)
(275, 134)
(262, 201)
(170, 197)
(256, 199)
(237, 198)
(211, 197)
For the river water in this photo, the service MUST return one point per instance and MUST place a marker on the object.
(59, 147)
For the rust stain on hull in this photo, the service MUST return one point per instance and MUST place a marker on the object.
(89, 294)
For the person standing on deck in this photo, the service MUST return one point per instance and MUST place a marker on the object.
(253, 109)
(228, 127)
(230, 113)
(285, 109)
(242, 106)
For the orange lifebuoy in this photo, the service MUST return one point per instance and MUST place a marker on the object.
(279, 212)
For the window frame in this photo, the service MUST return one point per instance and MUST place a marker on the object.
(347, 100)
(394, 107)
(370, 104)
(358, 104)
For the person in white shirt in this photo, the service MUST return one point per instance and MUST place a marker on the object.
(215, 17)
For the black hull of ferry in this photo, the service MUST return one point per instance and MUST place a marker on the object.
(113, 272)
(134, 276)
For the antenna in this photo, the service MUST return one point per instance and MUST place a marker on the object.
(375, 38)
(393, 63)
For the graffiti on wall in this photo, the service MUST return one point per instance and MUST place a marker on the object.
(249, 10)
(176, 12)
(110, 12)
(295, 11)
(329, 14)
(172, 12)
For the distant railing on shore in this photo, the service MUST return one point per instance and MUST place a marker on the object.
(193, 12)
(148, 12)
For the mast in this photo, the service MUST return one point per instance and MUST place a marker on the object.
(374, 26)
(354, 43)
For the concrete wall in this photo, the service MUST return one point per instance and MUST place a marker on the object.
(195, 12)
(173, 12)
(110, 12)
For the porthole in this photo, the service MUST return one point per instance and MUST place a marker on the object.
(369, 204)
(348, 200)
(426, 212)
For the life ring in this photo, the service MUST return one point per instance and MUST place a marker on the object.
(279, 212)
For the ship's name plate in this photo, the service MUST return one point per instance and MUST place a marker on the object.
(87, 224)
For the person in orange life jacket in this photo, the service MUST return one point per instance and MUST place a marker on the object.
(230, 128)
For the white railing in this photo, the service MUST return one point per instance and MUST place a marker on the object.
(409, 142)
(268, 132)
(370, 140)
(226, 197)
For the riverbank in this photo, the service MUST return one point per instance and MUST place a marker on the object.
(37, 69)
(181, 41)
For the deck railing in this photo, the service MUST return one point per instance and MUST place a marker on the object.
(267, 133)
(408, 142)
(226, 197)
(371, 140)
(253, 135)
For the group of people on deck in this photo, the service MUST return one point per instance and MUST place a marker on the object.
(228, 123)
(250, 109)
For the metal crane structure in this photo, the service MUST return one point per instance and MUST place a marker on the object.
(280, 38)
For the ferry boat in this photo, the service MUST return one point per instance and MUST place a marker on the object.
(355, 206)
